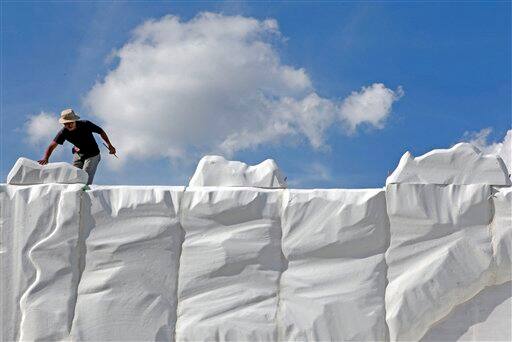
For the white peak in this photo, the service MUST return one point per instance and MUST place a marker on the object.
(27, 172)
(217, 171)
(460, 164)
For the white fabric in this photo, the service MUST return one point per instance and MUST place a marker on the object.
(440, 253)
(29, 172)
(411, 261)
(501, 228)
(230, 265)
(217, 171)
(333, 288)
(485, 317)
(461, 164)
(39, 231)
(130, 256)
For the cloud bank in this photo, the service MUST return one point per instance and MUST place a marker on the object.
(41, 128)
(216, 84)
(481, 140)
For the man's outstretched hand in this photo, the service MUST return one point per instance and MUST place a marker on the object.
(43, 161)
(111, 149)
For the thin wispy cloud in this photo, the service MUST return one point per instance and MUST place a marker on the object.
(502, 148)
(41, 128)
(315, 172)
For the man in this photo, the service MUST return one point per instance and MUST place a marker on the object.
(86, 154)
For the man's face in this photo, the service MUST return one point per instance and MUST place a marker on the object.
(70, 125)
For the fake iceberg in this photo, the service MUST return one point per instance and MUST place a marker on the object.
(461, 164)
(29, 172)
(237, 256)
(217, 171)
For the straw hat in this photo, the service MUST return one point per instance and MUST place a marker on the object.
(68, 115)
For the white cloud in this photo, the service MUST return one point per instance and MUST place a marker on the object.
(503, 148)
(41, 128)
(371, 105)
(216, 84)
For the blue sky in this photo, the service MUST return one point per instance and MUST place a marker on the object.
(452, 60)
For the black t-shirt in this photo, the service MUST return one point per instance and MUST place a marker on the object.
(81, 137)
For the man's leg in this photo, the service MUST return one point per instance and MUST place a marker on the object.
(77, 161)
(90, 166)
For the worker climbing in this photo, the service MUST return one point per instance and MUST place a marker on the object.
(86, 154)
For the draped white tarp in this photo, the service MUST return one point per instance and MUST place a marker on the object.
(230, 265)
(130, 248)
(38, 260)
(333, 288)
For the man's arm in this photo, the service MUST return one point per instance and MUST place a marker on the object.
(48, 153)
(97, 129)
(111, 149)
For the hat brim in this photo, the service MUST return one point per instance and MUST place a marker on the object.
(63, 121)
